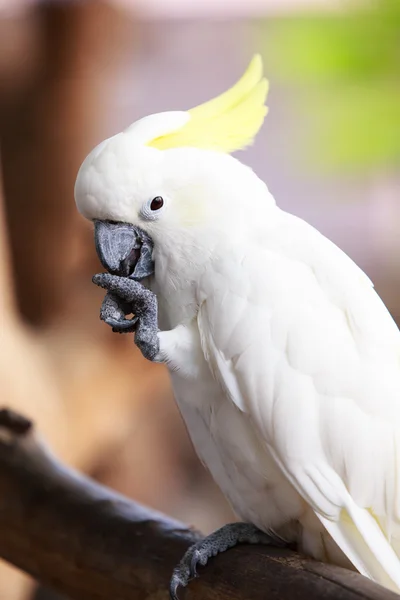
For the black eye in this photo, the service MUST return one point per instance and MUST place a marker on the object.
(157, 203)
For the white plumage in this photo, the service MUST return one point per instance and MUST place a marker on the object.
(311, 358)
(285, 362)
(300, 420)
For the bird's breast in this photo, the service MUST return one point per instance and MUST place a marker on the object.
(226, 444)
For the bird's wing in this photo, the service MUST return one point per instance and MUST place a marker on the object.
(298, 339)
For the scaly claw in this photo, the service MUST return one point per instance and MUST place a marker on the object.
(127, 296)
(196, 558)
(176, 581)
(129, 290)
(113, 312)
(123, 326)
(221, 540)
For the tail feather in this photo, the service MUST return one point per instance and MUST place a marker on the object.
(360, 537)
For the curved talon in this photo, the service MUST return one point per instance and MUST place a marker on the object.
(125, 296)
(172, 589)
(193, 564)
(123, 326)
(178, 578)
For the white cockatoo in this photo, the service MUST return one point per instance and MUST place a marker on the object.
(284, 361)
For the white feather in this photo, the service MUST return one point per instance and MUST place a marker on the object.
(315, 364)
(285, 362)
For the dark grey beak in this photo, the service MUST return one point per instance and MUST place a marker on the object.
(124, 249)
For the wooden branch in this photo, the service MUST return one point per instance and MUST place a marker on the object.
(84, 540)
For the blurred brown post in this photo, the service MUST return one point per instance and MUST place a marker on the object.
(7, 308)
(55, 64)
(47, 126)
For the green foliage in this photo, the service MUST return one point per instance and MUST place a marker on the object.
(348, 68)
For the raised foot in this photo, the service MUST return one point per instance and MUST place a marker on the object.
(125, 296)
(224, 538)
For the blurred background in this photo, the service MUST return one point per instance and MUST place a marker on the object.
(75, 72)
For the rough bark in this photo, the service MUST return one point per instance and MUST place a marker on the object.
(85, 541)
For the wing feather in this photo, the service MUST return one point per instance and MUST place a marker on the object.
(314, 361)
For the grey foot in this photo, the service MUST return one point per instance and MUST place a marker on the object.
(113, 312)
(129, 296)
(224, 538)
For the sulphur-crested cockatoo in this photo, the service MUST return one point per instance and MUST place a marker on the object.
(284, 361)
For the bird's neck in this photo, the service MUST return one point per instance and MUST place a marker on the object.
(179, 265)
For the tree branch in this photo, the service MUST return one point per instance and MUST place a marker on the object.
(84, 540)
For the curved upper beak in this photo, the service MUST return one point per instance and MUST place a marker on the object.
(124, 249)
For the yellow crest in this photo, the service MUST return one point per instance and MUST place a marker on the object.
(228, 122)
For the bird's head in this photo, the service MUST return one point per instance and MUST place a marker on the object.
(170, 175)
